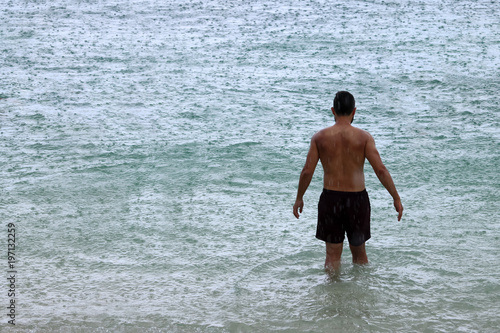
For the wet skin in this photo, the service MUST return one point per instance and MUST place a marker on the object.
(342, 150)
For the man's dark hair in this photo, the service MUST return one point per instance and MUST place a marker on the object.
(344, 103)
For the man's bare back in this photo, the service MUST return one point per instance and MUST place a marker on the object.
(342, 150)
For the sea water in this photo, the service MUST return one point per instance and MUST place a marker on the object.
(150, 154)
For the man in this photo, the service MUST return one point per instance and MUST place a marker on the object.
(344, 206)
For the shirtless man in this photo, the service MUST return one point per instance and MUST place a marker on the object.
(344, 206)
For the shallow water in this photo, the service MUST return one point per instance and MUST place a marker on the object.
(151, 152)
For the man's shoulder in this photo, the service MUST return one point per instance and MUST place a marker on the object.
(363, 132)
(322, 131)
(327, 131)
(323, 134)
(367, 135)
(359, 132)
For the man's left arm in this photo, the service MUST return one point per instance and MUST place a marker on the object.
(306, 176)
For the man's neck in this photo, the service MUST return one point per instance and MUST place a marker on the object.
(343, 120)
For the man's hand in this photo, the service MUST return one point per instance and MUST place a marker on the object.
(399, 208)
(297, 207)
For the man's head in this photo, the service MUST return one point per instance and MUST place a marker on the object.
(343, 103)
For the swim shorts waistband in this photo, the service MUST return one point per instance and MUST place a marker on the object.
(326, 191)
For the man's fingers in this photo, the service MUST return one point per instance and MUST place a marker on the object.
(297, 207)
(295, 211)
(399, 209)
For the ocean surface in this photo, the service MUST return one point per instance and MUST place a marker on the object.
(150, 154)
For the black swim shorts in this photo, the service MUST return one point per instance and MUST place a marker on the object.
(343, 212)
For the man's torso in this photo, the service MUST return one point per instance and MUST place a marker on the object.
(341, 151)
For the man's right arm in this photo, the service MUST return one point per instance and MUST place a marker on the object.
(306, 176)
(383, 174)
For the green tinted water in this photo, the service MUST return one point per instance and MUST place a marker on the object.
(151, 152)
